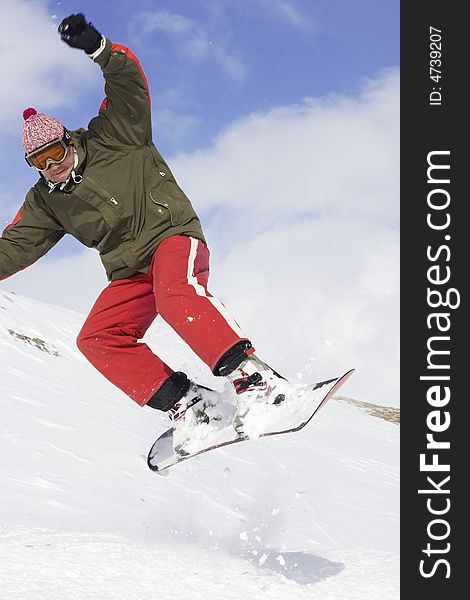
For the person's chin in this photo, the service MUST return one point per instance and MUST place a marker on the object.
(61, 177)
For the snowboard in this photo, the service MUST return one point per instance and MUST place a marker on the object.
(308, 402)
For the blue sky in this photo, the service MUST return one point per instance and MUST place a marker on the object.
(280, 120)
(253, 55)
(212, 61)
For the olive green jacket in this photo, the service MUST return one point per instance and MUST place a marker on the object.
(127, 201)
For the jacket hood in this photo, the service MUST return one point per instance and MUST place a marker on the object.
(78, 139)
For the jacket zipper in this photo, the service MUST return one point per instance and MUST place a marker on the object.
(111, 198)
(164, 206)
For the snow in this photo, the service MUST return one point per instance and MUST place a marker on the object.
(309, 515)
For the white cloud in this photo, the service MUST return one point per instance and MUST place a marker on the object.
(337, 155)
(38, 69)
(300, 206)
(287, 11)
(319, 297)
(73, 281)
(173, 124)
(193, 39)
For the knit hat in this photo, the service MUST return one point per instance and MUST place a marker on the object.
(39, 129)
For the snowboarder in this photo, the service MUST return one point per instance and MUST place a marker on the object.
(110, 188)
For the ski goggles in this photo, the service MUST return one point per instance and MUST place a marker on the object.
(51, 153)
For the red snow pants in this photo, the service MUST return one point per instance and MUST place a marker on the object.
(175, 288)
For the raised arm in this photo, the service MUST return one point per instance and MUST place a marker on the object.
(124, 114)
(32, 233)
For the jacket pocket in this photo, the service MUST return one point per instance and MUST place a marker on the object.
(170, 200)
(106, 195)
(163, 209)
(109, 208)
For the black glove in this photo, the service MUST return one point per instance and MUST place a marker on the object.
(76, 32)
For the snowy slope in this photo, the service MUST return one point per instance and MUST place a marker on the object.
(310, 515)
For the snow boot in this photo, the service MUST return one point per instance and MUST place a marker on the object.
(195, 417)
(259, 389)
(195, 411)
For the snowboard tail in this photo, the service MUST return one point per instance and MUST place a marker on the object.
(162, 455)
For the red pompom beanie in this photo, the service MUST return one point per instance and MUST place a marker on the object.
(39, 129)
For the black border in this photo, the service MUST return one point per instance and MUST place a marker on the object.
(426, 128)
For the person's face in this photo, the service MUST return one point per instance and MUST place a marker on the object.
(59, 173)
